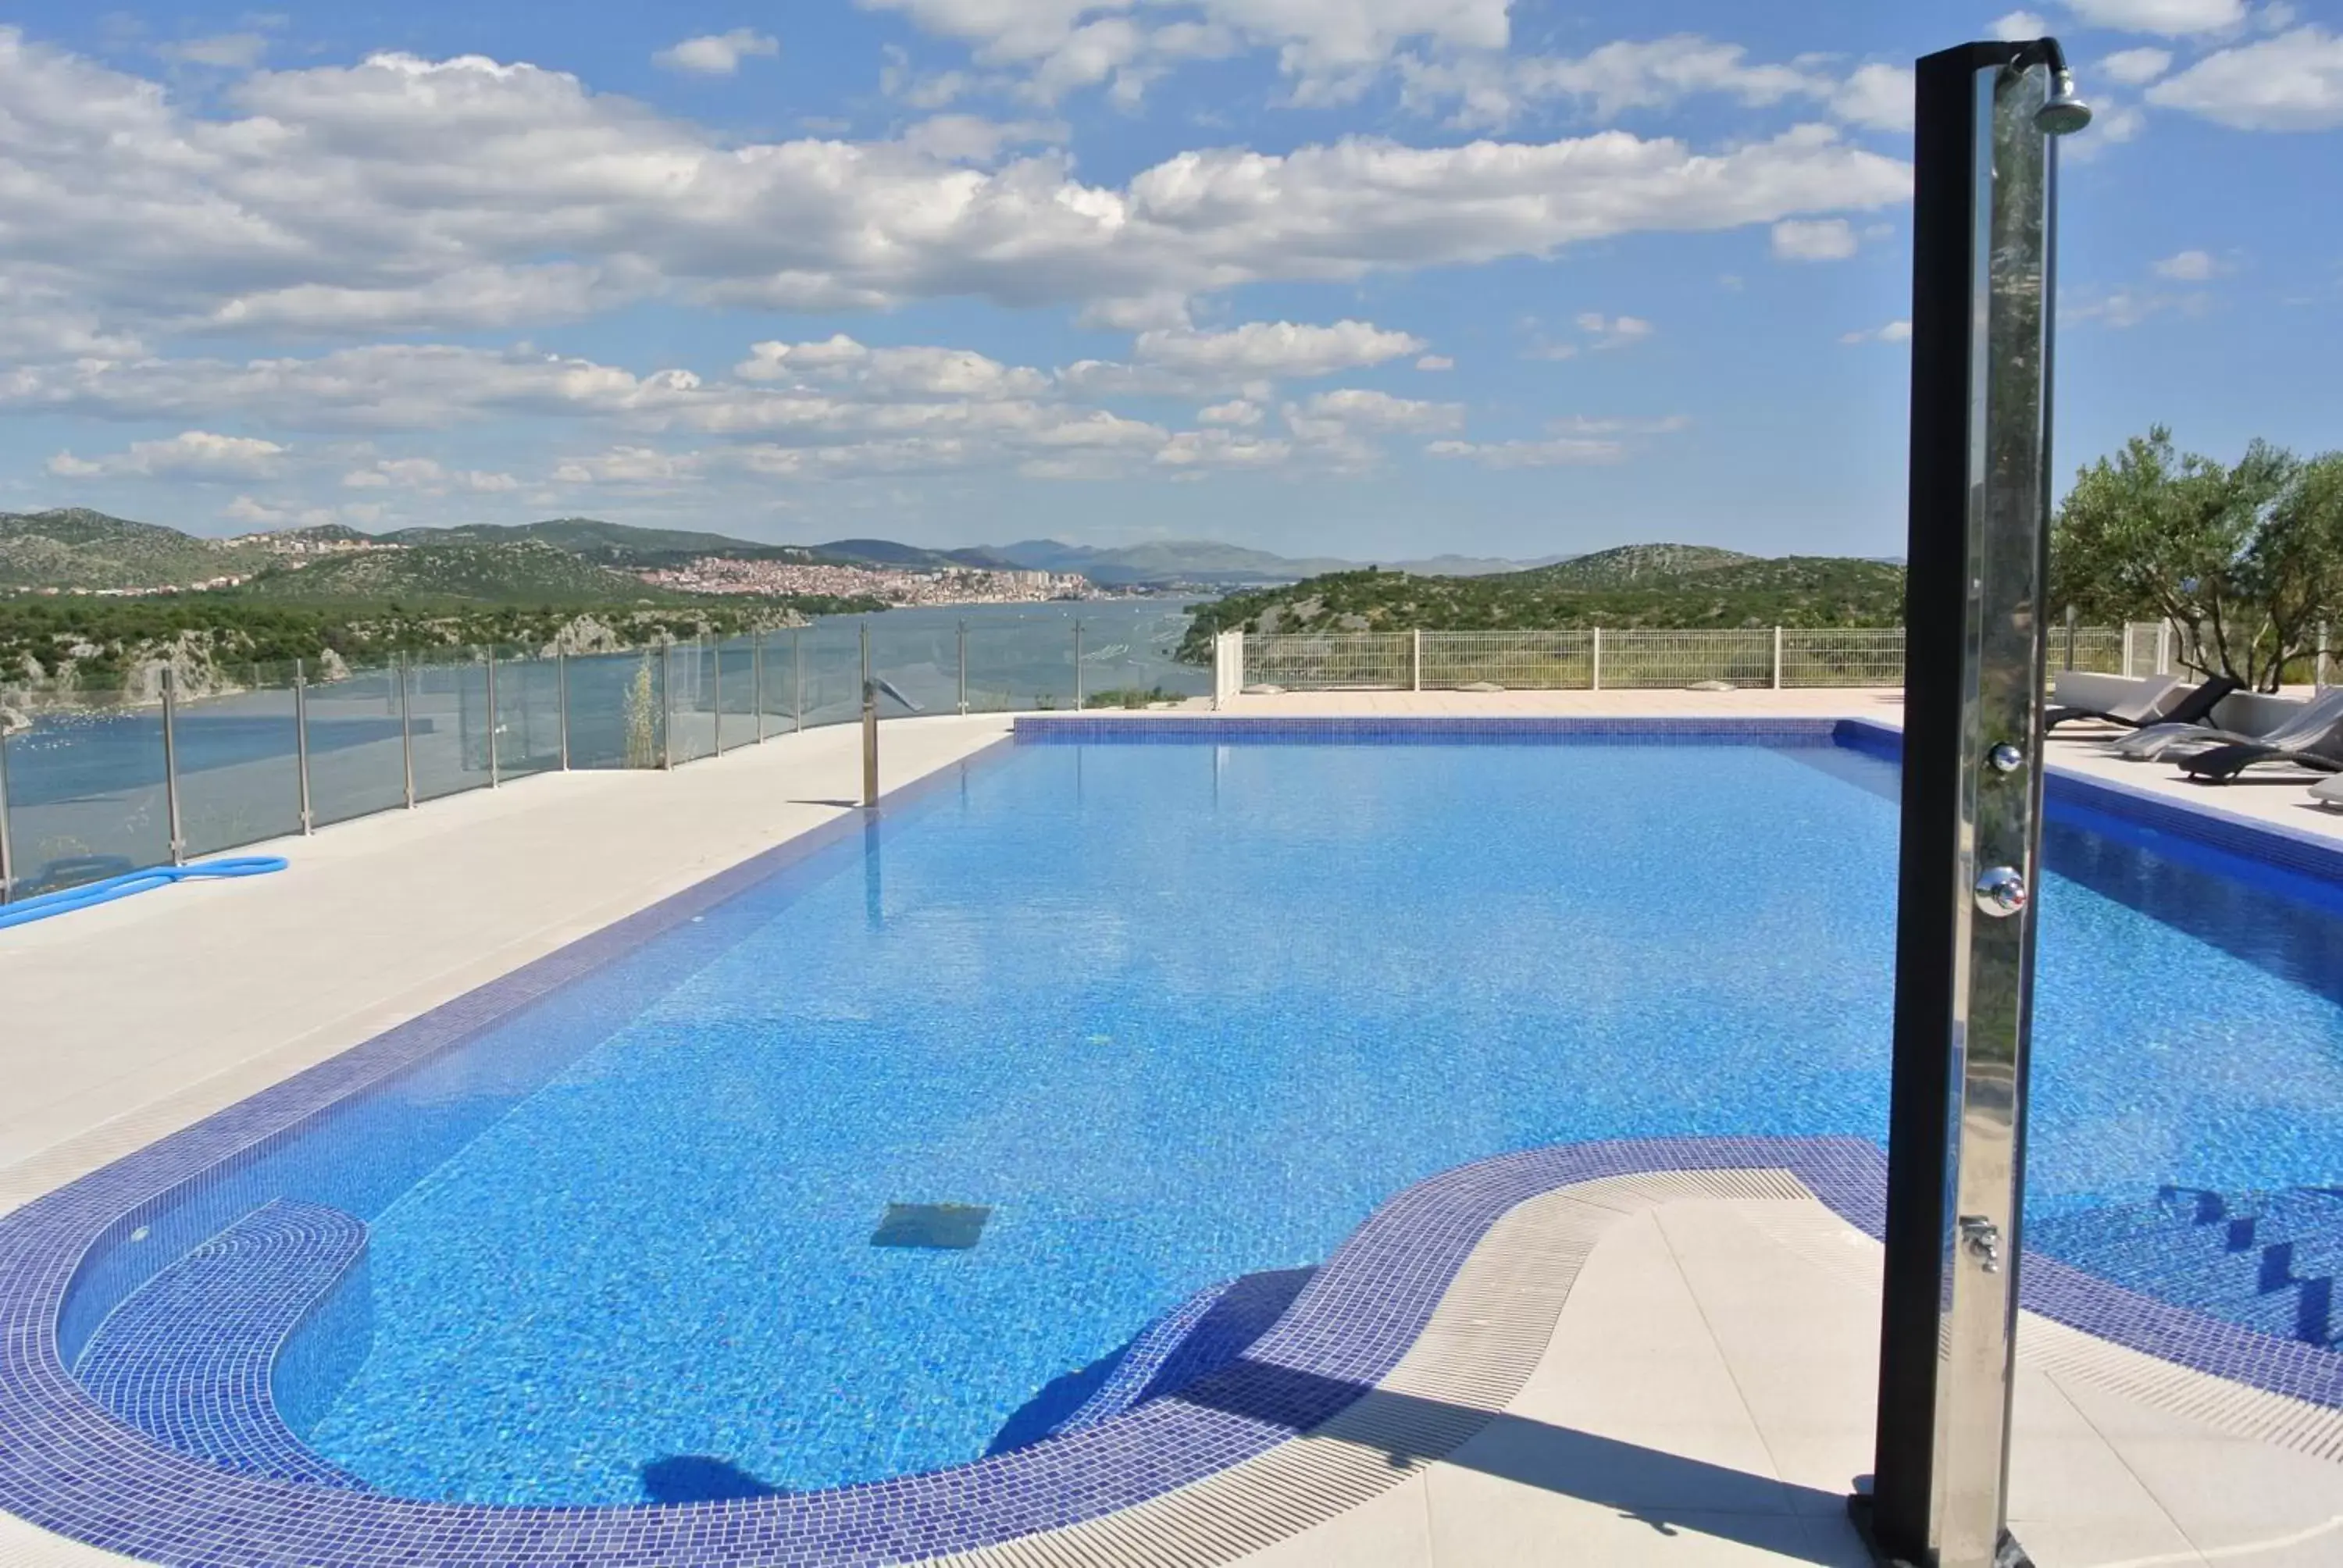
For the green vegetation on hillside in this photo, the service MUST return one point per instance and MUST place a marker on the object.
(76, 548)
(524, 572)
(1668, 586)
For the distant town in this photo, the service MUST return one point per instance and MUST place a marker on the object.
(895, 585)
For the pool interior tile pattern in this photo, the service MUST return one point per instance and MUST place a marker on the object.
(71, 1463)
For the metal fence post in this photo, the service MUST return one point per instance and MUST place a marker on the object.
(561, 697)
(1777, 659)
(1595, 667)
(667, 706)
(171, 764)
(1415, 660)
(796, 672)
(496, 774)
(1078, 666)
(7, 854)
(716, 698)
(2319, 669)
(2071, 617)
(963, 667)
(301, 740)
(870, 726)
(756, 682)
(406, 730)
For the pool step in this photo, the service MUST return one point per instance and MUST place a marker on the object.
(186, 1358)
(2267, 1261)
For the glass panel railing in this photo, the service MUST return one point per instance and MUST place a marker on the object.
(833, 652)
(447, 726)
(239, 757)
(527, 714)
(85, 787)
(357, 760)
(615, 710)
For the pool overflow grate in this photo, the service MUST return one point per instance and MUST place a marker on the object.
(951, 1226)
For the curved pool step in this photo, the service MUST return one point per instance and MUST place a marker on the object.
(1203, 1334)
(187, 1357)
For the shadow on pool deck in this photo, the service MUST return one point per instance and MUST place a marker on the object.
(1668, 1491)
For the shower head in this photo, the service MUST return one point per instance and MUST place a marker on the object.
(2062, 113)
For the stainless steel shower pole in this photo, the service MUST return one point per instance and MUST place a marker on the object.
(1976, 649)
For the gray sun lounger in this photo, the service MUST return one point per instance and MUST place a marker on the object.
(2173, 741)
(2328, 793)
(2321, 754)
(2135, 706)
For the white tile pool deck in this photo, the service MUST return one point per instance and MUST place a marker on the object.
(1706, 1393)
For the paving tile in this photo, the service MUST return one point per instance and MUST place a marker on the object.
(1479, 1522)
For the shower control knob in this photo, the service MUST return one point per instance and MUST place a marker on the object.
(2006, 759)
(2001, 892)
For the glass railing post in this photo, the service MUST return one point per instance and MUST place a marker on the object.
(963, 668)
(7, 852)
(667, 706)
(496, 774)
(171, 766)
(406, 726)
(870, 726)
(561, 698)
(715, 700)
(301, 742)
(756, 682)
(797, 671)
(1078, 666)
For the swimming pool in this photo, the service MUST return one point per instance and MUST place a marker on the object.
(1173, 1015)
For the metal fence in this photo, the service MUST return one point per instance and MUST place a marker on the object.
(95, 782)
(1626, 658)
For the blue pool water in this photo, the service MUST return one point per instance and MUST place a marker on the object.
(1182, 1013)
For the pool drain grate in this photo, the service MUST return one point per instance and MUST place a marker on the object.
(954, 1226)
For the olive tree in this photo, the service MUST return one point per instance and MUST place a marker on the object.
(2246, 559)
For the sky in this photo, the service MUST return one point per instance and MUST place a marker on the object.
(1376, 278)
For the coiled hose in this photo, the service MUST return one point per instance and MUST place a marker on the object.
(67, 900)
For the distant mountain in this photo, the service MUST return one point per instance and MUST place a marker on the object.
(525, 571)
(76, 548)
(1210, 563)
(610, 544)
(1659, 585)
(913, 558)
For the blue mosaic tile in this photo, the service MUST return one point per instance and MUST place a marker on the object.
(187, 1359)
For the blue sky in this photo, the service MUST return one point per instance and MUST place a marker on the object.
(1372, 277)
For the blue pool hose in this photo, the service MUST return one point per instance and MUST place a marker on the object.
(66, 900)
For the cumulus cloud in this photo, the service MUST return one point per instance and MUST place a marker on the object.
(1892, 332)
(1483, 92)
(1880, 97)
(221, 51)
(1237, 411)
(408, 193)
(1435, 362)
(427, 475)
(840, 360)
(718, 54)
(1616, 331)
(2136, 67)
(190, 455)
(2188, 267)
(1813, 239)
(1273, 349)
(2171, 18)
(1558, 451)
(2020, 24)
(2293, 82)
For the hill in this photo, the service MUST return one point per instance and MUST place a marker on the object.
(608, 544)
(1670, 586)
(522, 571)
(76, 547)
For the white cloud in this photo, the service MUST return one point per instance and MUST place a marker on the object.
(1880, 97)
(1560, 451)
(2171, 18)
(222, 51)
(1222, 450)
(1237, 411)
(190, 455)
(1435, 362)
(2188, 267)
(718, 54)
(2020, 24)
(1813, 239)
(404, 194)
(1892, 332)
(427, 475)
(2293, 82)
(1352, 409)
(631, 466)
(1489, 92)
(1329, 50)
(1272, 350)
(1613, 332)
(841, 360)
(974, 139)
(2136, 67)
(2126, 308)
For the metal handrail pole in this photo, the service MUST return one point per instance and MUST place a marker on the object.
(1594, 665)
(756, 682)
(1078, 666)
(716, 698)
(301, 741)
(667, 706)
(963, 668)
(171, 766)
(797, 671)
(561, 695)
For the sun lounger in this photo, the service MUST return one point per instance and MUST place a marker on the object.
(2158, 701)
(2323, 754)
(2328, 793)
(2172, 741)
